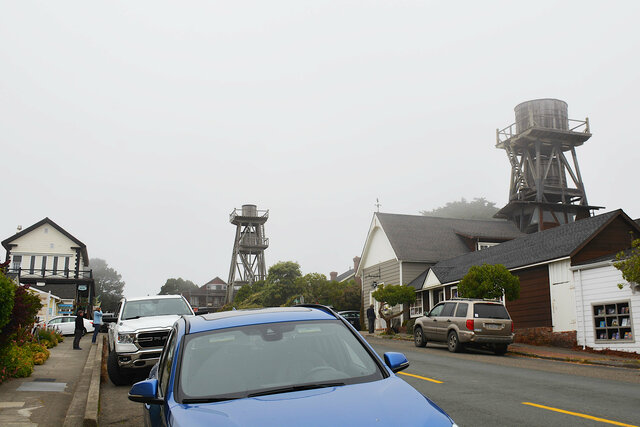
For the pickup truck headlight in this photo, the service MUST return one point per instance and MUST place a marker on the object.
(126, 338)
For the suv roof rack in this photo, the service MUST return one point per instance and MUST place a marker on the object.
(474, 299)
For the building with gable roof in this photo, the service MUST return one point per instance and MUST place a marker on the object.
(399, 248)
(50, 259)
(209, 296)
(552, 266)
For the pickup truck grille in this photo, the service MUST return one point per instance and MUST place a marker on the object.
(152, 339)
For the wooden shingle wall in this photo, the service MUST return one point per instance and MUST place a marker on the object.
(533, 308)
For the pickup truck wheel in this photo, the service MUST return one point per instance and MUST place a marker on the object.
(115, 373)
(453, 343)
(418, 337)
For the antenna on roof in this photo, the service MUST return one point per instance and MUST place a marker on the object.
(377, 205)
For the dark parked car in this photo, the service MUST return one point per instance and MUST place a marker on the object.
(352, 317)
(278, 367)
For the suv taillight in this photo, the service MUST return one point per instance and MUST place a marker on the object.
(470, 324)
(512, 326)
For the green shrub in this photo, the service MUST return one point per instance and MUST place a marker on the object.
(35, 348)
(25, 308)
(16, 361)
(7, 293)
(48, 337)
(38, 352)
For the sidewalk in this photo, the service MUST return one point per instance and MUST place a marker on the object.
(549, 353)
(56, 393)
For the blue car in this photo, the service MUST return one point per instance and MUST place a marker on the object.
(285, 366)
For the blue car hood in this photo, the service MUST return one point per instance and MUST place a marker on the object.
(386, 402)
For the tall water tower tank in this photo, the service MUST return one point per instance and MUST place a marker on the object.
(544, 113)
(249, 210)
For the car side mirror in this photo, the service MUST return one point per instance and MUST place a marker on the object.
(145, 392)
(109, 319)
(396, 361)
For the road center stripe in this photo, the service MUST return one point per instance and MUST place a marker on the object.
(576, 414)
(422, 378)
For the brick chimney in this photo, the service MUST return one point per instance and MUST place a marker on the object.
(356, 264)
(334, 275)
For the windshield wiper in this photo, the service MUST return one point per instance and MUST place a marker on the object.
(130, 318)
(209, 399)
(293, 388)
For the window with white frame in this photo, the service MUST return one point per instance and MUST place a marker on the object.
(454, 292)
(415, 309)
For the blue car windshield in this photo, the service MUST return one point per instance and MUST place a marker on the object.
(248, 360)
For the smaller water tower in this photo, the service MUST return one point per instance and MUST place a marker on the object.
(247, 261)
(546, 187)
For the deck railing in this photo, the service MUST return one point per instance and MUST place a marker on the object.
(264, 214)
(39, 273)
(577, 126)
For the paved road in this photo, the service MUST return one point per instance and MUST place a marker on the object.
(480, 389)
(116, 409)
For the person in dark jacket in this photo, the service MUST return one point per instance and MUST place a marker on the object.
(79, 330)
(371, 317)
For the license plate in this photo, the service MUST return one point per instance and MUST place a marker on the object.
(493, 327)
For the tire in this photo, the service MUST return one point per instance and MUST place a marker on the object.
(453, 343)
(418, 337)
(84, 331)
(500, 349)
(115, 373)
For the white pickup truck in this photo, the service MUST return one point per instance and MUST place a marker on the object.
(137, 336)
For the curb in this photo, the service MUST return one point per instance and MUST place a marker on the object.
(93, 397)
(83, 409)
(612, 363)
(75, 412)
(582, 361)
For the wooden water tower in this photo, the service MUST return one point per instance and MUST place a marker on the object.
(247, 261)
(546, 188)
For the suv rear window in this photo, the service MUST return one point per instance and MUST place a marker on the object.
(490, 311)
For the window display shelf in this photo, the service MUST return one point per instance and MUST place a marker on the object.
(612, 322)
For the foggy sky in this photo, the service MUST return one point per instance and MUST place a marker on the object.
(139, 126)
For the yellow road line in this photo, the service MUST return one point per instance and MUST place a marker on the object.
(422, 378)
(576, 414)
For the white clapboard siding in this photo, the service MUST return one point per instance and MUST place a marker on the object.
(599, 285)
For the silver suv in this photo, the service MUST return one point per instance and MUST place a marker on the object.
(462, 322)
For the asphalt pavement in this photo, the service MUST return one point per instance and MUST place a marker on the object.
(575, 355)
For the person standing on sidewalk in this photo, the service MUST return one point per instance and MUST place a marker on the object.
(371, 317)
(97, 323)
(79, 329)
